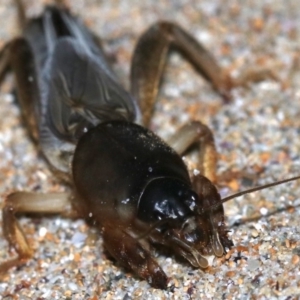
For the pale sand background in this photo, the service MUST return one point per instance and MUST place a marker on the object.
(257, 133)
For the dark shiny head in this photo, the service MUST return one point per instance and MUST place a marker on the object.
(166, 198)
(183, 219)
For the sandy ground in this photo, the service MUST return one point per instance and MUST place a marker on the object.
(256, 136)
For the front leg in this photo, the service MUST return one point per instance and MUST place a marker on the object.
(130, 253)
(26, 202)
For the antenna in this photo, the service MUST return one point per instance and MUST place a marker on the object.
(251, 190)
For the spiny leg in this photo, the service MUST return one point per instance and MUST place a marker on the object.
(197, 133)
(130, 253)
(192, 133)
(18, 57)
(150, 57)
(25, 202)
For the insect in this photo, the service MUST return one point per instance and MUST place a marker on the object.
(130, 183)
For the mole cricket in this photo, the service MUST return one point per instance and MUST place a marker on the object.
(133, 186)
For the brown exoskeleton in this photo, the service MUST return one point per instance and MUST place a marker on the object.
(130, 183)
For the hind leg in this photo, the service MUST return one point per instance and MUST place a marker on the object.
(150, 57)
(18, 57)
(25, 202)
